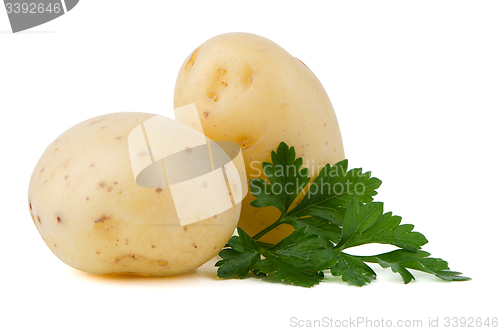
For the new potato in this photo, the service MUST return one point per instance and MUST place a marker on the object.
(251, 91)
(90, 212)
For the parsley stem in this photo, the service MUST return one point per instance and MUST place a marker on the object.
(269, 228)
(264, 245)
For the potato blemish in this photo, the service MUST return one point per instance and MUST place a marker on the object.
(102, 219)
(105, 226)
(218, 84)
(192, 59)
(245, 144)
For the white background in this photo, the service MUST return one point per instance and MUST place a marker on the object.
(415, 85)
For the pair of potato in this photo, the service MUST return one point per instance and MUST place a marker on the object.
(83, 196)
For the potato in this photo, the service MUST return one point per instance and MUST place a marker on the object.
(90, 212)
(251, 91)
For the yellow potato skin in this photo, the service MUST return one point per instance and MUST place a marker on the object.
(89, 211)
(249, 90)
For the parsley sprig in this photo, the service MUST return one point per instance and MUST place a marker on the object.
(336, 213)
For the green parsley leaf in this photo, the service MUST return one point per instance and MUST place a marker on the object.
(333, 189)
(240, 258)
(352, 269)
(401, 260)
(327, 232)
(367, 224)
(326, 198)
(297, 259)
(286, 179)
